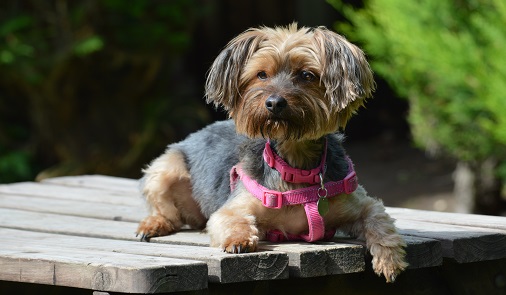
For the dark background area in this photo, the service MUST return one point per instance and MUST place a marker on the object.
(70, 108)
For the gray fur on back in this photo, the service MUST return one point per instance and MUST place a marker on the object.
(212, 152)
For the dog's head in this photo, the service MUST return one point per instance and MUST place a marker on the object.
(289, 83)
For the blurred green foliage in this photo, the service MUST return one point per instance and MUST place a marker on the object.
(93, 86)
(447, 57)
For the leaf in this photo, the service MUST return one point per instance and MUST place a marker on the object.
(88, 46)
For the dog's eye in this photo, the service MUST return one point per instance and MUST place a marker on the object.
(307, 76)
(262, 75)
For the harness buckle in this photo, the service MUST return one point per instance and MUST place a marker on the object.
(287, 176)
(350, 183)
(272, 199)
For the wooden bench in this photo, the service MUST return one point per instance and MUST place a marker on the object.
(79, 232)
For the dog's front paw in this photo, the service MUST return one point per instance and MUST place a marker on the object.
(241, 244)
(154, 226)
(389, 261)
(233, 234)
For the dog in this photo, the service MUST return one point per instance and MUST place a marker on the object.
(276, 170)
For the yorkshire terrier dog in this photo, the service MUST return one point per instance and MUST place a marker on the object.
(277, 171)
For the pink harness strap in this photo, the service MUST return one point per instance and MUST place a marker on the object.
(290, 174)
(308, 196)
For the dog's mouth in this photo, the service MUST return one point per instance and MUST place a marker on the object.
(274, 118)
(281, 129)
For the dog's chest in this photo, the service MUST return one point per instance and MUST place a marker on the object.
(290, 219)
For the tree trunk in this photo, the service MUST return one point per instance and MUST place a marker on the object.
(464, 190)
(488, 189)
(477, 188)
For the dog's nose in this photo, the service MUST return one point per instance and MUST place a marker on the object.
(275, 104)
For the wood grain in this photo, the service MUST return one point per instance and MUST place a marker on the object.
(58, 191)
(320, 259)
(74, 208)
(98, 270)
(464, 244)
(470, 220)
(222, 267)
(110, 183)
(89, 227)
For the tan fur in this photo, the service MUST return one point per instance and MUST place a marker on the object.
(168, 192)
(303, 154)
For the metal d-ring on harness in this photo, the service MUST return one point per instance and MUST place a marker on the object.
(323, 202)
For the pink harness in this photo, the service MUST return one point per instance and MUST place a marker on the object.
(309, 196)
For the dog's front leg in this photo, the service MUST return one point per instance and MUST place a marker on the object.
(233, 227)
(377, 228)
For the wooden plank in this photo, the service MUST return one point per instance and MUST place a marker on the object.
(69, 225)
(464, 244)
(88, 227)
(423, 252)
(222, 267)
(298, 267)
(55, 191)
(76, 208)
(110, 183)
(305, 259)
(472, 220)
(98, 270)
(420, 252)
(320, 259)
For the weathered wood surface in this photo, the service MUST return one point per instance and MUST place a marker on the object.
(222, 267)
(110, 183)
(471, 220)
(464, 244)
(79, 232)
(28, 260)
(118, 230)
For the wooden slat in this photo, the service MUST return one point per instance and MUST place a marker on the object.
(222, 267)
(109, 183)
(320, 259)
(56, 191)
(34, 262)
(423, 252)
(89, 227)
(471, 220)
(75, 208)
(420, 252)
(68, 225)
(464, 244)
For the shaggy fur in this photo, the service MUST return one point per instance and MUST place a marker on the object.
(296, 87)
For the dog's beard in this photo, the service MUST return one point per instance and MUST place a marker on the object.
(281, 129)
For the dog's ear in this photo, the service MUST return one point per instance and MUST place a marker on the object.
(346, 74)
(222, 84)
